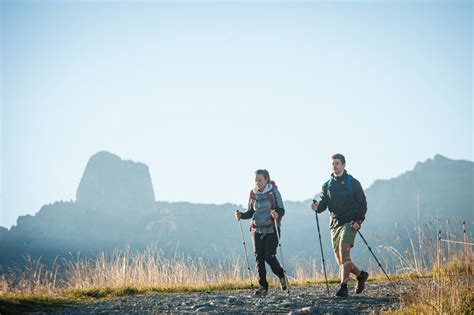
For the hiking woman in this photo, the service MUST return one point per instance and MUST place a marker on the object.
(265, 205)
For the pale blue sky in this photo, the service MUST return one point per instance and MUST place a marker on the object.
(204, 93)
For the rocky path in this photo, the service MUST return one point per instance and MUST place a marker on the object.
(377, 297)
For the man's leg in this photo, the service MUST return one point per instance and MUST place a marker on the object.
(346, 243)
(347, 265)
(346, 236)
(335, 240)
(338, 260)
(361, 276)
(355, 271)
(350, 267)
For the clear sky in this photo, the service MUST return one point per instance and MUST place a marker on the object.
(205, 93)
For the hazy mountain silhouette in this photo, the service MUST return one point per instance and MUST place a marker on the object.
(115, 205)
(109, 183)
(442, 184)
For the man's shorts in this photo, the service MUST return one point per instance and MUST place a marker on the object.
(344, 233)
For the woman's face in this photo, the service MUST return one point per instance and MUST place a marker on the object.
(260, 181)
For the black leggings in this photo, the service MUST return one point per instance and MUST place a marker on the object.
(265, 251)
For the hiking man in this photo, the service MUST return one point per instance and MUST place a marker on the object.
(343, 195)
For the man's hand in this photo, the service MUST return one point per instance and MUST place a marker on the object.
(314, 205)
(238, 214)
(355, 226)
(274, 215)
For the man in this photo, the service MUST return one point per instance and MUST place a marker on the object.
(344, 197)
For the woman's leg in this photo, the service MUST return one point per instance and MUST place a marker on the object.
(259, 246)
(271, 244)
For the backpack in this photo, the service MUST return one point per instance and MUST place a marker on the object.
(348, 185)
(271, 198)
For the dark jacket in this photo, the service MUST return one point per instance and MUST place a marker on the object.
(344, 206)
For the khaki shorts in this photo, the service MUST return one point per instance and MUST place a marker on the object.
(344, 233)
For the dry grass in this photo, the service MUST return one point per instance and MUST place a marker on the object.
(440, 288)
(149, 269)
(123, 273)
(127, 273)
(3, 285)
(440, 276)
(448, 290)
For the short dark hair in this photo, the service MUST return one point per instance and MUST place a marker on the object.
(339, 156)
(265, 174)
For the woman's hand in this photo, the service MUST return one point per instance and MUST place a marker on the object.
(238, 214)
(274, 215)
(314, 205)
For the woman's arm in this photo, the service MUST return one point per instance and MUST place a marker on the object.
(250, 211)
(279, 203)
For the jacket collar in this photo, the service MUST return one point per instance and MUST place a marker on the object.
(344, 175)
(267, 188)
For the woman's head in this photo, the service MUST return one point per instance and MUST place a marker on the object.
(262, 177)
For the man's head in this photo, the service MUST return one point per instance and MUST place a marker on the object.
(338, 164)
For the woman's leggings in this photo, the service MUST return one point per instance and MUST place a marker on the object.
(265, 251)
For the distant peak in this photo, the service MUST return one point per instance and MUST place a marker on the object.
(439, 161)
(439, 157)
(436, 159)
(105, 155)
(112, 183)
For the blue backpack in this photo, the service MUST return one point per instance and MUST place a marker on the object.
(348, 185)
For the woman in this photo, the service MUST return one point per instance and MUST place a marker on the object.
(265, 206)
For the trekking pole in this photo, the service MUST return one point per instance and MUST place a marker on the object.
(281, 256)
(245, 251)
(321, 246)
(370, 249)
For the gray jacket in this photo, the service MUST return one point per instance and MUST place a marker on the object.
(260, 207)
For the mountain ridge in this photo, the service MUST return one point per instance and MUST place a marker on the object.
(97, 222)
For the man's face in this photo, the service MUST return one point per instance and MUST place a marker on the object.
(337, 167)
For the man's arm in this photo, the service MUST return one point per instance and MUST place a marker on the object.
(323, 199)
(361, 201)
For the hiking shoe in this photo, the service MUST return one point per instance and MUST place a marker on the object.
(283, 283)
(261, 291)
(361, 279)
(343, 291)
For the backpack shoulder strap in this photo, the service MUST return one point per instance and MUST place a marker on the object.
(252, 195)
(271, 198)
(251, 199)
(349, 184)
(349, 189)
(327, 185)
